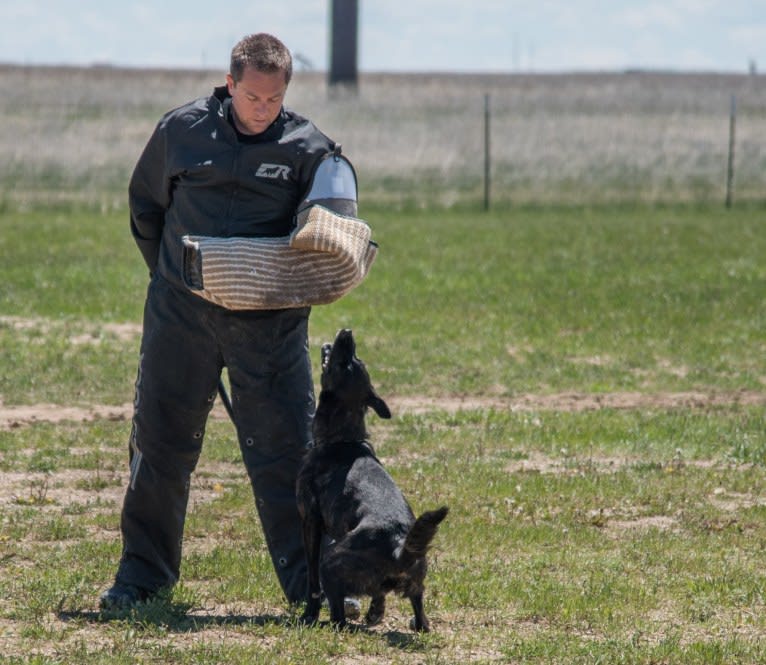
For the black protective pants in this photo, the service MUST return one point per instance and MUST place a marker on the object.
(186, 343)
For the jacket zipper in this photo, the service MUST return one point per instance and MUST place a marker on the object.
(235, 189)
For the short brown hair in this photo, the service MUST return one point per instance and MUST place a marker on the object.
(264, 53)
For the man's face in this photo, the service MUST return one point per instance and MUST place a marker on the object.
(256, 99)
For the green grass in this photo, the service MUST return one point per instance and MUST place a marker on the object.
(612, 535)
(591, 299)
(601, 550)
(459, 302)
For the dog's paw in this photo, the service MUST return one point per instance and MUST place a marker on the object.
(341, 625)
(309, 619)
(420, 626)
(373, 618)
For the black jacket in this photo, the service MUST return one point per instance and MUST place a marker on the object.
(196, 177)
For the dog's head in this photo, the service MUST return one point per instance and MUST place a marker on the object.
(346, 377)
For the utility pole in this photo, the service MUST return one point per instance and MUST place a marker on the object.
(343, 43)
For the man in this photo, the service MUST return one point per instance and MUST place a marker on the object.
(235, 164)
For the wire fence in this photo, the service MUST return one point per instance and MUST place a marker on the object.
(419, 139)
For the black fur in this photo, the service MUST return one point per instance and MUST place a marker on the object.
(360, 534)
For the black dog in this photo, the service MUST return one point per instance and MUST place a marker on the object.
(373, 543)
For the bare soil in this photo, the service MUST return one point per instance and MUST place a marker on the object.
(12, 416)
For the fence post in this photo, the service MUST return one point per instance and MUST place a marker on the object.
(486, 151)
(730, 168)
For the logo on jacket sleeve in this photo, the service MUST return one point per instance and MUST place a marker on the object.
(273, 171)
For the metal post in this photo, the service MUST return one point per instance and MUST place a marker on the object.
(343, 47)
(486, 152)
(730, 169)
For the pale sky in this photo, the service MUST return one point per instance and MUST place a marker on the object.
(398, 35)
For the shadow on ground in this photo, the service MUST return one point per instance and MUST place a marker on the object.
(176, 618)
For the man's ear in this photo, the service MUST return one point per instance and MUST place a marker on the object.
(378, 405)
(230, 83)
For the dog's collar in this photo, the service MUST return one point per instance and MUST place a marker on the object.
(316, 443)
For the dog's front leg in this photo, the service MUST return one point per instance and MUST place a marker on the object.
(376, 611)
(312, 536)
(336, 601)
(420, 620)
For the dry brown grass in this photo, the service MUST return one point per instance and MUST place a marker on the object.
(76, 133)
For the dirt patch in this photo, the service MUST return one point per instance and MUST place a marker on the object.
(578, 401)
(659, 522)
(51, 491)
(123, 332)
(86, 333)
(100, 490)
(734, 502)
(17, 416)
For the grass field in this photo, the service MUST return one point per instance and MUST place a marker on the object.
(584, 386)
(580, 374)
(75, 134)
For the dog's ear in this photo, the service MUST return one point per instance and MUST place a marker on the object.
(378, 405)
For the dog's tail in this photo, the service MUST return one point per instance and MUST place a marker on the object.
(420, 536)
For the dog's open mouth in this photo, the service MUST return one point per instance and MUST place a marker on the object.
(341, 351)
